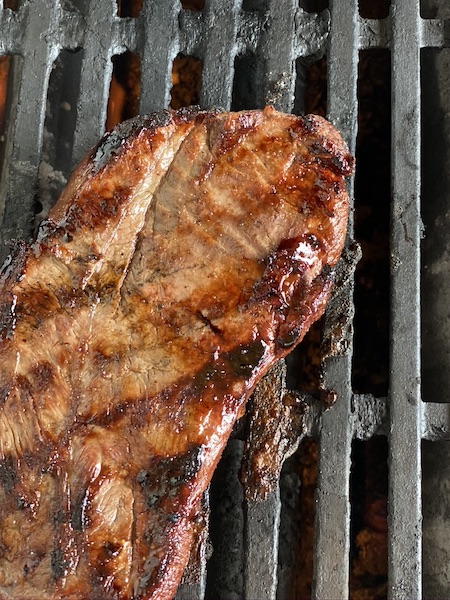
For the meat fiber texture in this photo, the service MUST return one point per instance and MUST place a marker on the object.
(189, 252)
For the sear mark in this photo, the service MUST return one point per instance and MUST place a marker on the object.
(8, 474)
(42, 376)
(58, 563)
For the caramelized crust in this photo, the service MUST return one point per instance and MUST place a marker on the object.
(188, 253)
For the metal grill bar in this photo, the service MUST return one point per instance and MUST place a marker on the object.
(24, 151)
(159, 44)
(262, 525)
(263, 518)
(278, 54)
(96, 71)
(405, 532)
(332, 542)
(219, 52)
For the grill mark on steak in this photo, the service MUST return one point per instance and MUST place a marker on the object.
(188, 252)
(8, 474)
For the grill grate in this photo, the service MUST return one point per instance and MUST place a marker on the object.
(276, 33)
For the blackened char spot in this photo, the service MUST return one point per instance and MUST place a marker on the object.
(309, 124)
(42, 375)
(4, 391)
(338, 162)
(8, 474)
(32, 561)
(57, 563)
(164, 477)
(14, 266)
(343, 164)
(78, 512)
(327, 272)
(7, 316)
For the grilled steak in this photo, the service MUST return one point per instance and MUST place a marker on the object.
(188, 253)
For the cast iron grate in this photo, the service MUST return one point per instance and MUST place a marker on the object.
(45, 143)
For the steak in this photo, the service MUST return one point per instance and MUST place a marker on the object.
(189, 252)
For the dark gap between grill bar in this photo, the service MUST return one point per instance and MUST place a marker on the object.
(436, 519)
(129, 8)
(299, 474)
(13, 69)
(311, 86)
(434, 9)
(11, 4)
(248, 73)
(368, 544)
(435, 211)
(368, 9)
(370, 372)
(59, 126)
(297, 485)
(435, 309)
(5, 75)
(4, 72)
(313, 6)
(125, 88)
(186, 81)
(225, 567)
(193, 4)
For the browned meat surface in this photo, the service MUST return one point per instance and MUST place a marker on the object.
(189, 252)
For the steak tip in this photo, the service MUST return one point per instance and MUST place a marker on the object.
(113, 140)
